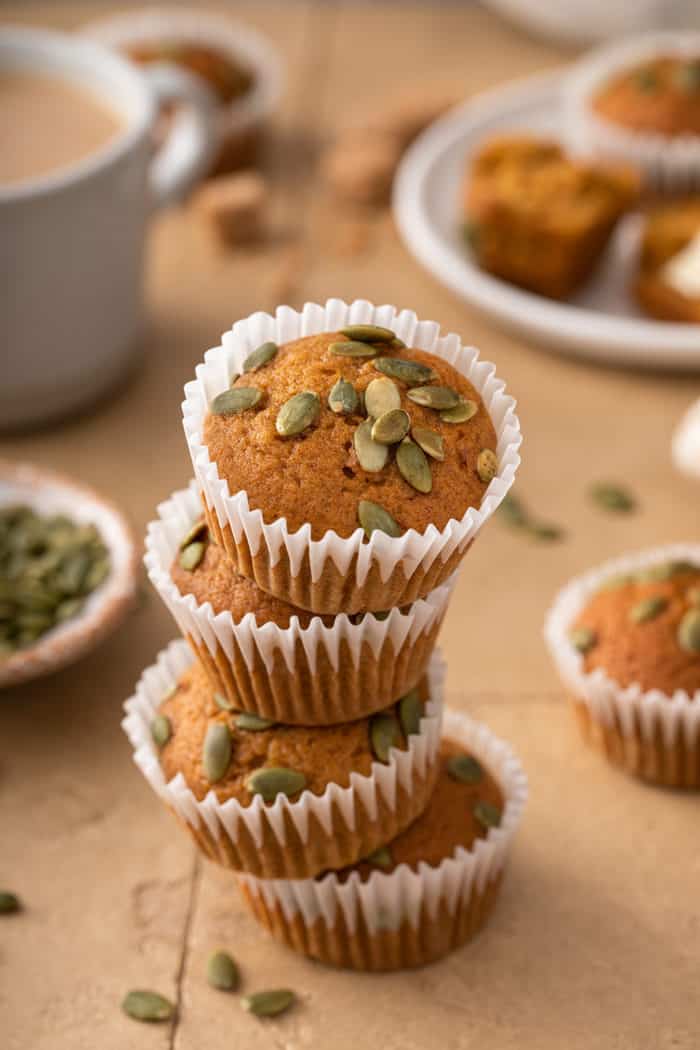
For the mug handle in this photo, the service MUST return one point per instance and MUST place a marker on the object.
(189, 148)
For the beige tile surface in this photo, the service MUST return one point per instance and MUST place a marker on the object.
(595, 942)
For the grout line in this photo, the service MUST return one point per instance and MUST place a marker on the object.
(185, 952)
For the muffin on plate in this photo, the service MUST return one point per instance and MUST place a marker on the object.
(426, 892)
(668, 282)
(660, 94)
(342, 468)
(538, 218)
(282, 801)
(626, 641)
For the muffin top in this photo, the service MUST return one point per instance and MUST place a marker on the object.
(331, 430)
(466, 802)
(660, 95)
(644, 628)
(227, 751)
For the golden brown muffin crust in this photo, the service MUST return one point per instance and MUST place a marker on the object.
(315, 477)
(647, 653)
(661, 95)
(325, 755)
(668, 229)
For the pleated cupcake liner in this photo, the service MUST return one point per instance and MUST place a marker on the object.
(405, 918)
(292, 839)
(314, 675)
(668, 164)
(336, 574)
(648, 733)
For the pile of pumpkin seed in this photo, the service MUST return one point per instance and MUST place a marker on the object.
(48, 567)
(386, 425)
(647, 609)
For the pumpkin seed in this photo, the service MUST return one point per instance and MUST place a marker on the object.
(583, 639)
(545, 533)
(195, 532)
(688, 76)
(368, 333)
(222, 972)
(252, 723)
(161, 730)
(648, 609)
(665, 571)
(343, 398)
(216, 751)
(271, 781)
(646, 80)
(437, 397)
(260, 357)
(372, 516)
(353, 349)
(487, 465)
(384, 733)
(488, 815)
(191, 556)
(465, 768)
(300, 412)
(68, 608)
(380, 858)
(372, 456)
(689, 631)
(269, 1003)
(413, 466)
(392, 427)
(381, 396)
(144, 1005)
(238, 399)
(409, 372)
(612, 497)
(463, 411)
(430, 441)
(9, 902)
(222, 702)
(410, 712)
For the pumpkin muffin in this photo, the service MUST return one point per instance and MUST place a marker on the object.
(660, 94)
(668, 283)
(285, 801)
(428, 890)
(627, 642)
(538, 218)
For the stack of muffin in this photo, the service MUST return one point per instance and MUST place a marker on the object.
(345, 459)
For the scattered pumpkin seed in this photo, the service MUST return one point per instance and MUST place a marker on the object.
(465, 768)
(583, 639)
(271, 781)
(372, 455)
(372, 516)
(648, 609)
(222, 972)
(300, 412)
(222, 702)
(238, 399)
(412, 373)
(144, 1005)
(381, 396)
(216, 751)
(688, 76)
(410, 712)
(9, 902)
(689, 631)
(353, 349)
(161, 730)
(437, 397)
(384, 733)
(269, 1003)
(262, 356)
(368, 333)
(191, 556)
(414, 466)
(430, 441)
(487, 465)
(665, 571)
(380, 858)
(252, 723)
(612, 497)
(646, 80)
(343, 398)
(545, 533)
(488, 815)
(392, 427)
(463, 411)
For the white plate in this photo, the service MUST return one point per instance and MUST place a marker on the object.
(601, 321)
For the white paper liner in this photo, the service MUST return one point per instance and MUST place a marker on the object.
(219, 631)
(686, 442)
(413, 549)
(669, 163)
(224, 818)
(386, 901)
(676, 717)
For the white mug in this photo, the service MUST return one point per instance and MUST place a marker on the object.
(72, 242)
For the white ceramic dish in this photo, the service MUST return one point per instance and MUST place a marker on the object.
(601, 322)
(104, 610)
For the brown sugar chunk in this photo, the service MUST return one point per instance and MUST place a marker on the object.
(324, 755)
(632, 630)
(234, 206)
(315, 476)
(669, 228)
(660, 95)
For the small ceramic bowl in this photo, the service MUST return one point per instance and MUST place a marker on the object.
(49, 493)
